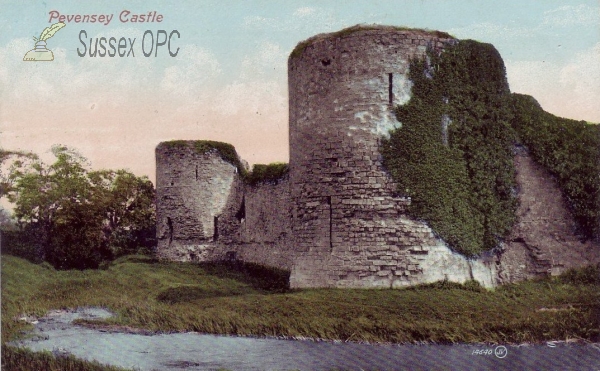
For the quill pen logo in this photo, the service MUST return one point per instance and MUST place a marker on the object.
(40, 52)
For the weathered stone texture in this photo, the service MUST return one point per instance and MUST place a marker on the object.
(259, 225)
(544, 239)
(335, 220)
(205, 211)
(350, 227)
(192, 192)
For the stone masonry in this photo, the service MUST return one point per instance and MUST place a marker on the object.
(335, 219)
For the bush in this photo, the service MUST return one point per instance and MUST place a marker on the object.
(22, 243)
(267, 173)
(589, 275)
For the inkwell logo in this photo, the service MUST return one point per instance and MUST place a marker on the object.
(40, 52)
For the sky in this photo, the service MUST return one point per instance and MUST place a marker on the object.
(228, 80)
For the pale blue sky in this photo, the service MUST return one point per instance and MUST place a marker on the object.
(229, 81)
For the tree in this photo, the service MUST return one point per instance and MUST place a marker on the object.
(127, 203)
(12, 165)
(80, 217)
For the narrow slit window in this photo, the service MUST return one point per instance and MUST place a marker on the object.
(170, 226)
(330, 223)
(391, 87)
(196, 172)
(241, 213)
(216, 228)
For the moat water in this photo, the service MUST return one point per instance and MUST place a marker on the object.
(194, 351)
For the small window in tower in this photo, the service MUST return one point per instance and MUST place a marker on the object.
(216, 228)
(241, 214)
(196, 172)
(170, 226)
(391, 88)
(330, 223)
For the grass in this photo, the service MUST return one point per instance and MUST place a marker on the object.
(16, 359)
(240, 300)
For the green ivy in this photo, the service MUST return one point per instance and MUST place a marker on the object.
(267, 173)
(570, 150)
(461, 185)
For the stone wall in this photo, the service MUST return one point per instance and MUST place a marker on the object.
(205, 210)
(350, 227)
(260, 220)
(335, 219)
(192, 191)
(544, 239)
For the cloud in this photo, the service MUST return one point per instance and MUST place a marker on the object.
(196, 69)
(308, 20)
(116, 111)
(570, 90)
(70, 79)
(488, 30)
(569, 15)
(303, 12)
(269, 62)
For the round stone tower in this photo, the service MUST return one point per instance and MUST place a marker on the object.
(193, 185)
(342, 89)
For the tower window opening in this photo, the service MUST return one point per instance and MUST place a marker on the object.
(170, 226)
(391, 88)
(330, 223)
(216, 228)
(241, 214)
(196, 172)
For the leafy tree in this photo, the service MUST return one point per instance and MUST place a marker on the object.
(127, 204)
(79, 217)
(12, 165)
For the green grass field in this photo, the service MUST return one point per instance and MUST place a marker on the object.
(223, 300)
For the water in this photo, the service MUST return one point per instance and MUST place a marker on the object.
(193, 351)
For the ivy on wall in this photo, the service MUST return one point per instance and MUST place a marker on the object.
(453, 153)
(570, 150)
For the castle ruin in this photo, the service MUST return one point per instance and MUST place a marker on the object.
(335, 219)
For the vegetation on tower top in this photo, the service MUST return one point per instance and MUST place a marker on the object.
(299, 49)
(225, 150)
(260, 173)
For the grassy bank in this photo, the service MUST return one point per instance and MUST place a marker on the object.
(15, 359)
(221, 300)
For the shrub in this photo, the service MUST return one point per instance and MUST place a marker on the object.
(267, 173)
(589, 275)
